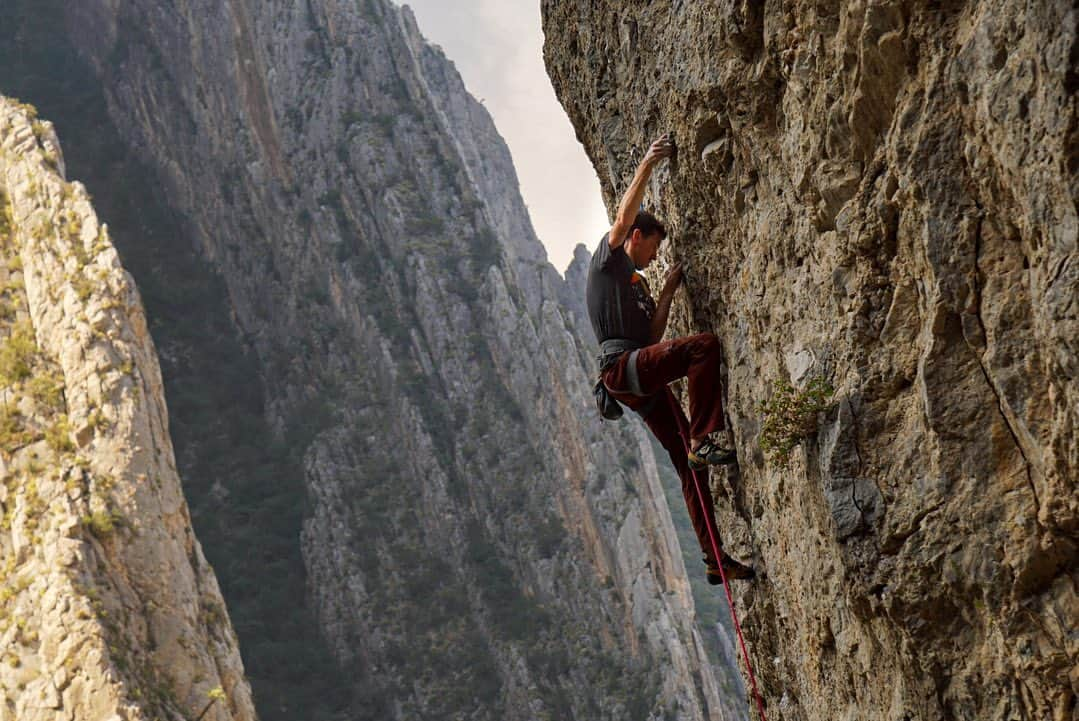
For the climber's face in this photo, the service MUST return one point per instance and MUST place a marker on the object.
(642, 249)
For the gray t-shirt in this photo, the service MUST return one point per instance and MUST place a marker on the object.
(619, 302)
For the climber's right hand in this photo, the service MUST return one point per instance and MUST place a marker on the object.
(661, 148)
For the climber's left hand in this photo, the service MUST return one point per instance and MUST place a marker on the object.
(673, 278)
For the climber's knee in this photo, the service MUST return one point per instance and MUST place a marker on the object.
(708, 343)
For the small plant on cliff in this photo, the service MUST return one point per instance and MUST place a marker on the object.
(791, 415)
(15, 285)
(58, 436)
(102, 523)
(29, 110)
(84, 287)
(17, 354)
(6, 221)
(215, 694)
(47, 389)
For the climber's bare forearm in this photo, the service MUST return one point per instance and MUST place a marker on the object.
(659, 320)
(631, 201)
(671, 283)
(627, 209)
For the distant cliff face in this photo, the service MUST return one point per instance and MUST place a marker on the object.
(381, 408)
(108, 608)
(881, 194)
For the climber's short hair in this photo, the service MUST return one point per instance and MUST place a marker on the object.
(648, 224)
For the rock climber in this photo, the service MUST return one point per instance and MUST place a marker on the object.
(635, 366)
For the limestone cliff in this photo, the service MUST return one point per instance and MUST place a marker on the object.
(881, 194)
(108, 609)
(381, 409)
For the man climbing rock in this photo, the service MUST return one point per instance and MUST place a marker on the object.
(635, 366)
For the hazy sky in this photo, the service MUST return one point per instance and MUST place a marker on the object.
(497, 46)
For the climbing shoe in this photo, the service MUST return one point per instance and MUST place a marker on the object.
(709, 453)
(734, 571)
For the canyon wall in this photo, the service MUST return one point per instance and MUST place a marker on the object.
(108, 608)
(380, 405)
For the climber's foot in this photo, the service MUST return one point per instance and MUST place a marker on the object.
(733, 570)
(710, 453)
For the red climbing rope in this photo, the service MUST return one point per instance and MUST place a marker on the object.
(730, 601)
(707, 507)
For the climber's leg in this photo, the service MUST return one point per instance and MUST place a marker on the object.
(670, 426)
(698, 358)
(668, 423)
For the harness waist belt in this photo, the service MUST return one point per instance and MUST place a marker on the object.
(612, 349)
(618, 345)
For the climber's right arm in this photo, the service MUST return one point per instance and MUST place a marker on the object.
(631, 201)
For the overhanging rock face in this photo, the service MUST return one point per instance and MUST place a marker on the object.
(881, 194)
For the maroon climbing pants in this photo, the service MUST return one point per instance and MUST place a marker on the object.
(696, 357)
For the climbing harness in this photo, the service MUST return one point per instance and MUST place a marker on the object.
(611, 350)
(722, 575)
(608, 407)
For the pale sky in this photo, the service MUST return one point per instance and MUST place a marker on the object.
(497, 46)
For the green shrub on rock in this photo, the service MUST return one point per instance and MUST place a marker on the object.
(58, 436)
(102, 523)
(790, 416)
(6, 221)
(17, 354)
(47, 389)
(13, 433)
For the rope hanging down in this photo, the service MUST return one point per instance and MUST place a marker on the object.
(726, 587)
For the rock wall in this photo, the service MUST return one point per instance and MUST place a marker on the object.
(881, 194)
(108, 608)
(382, 409)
